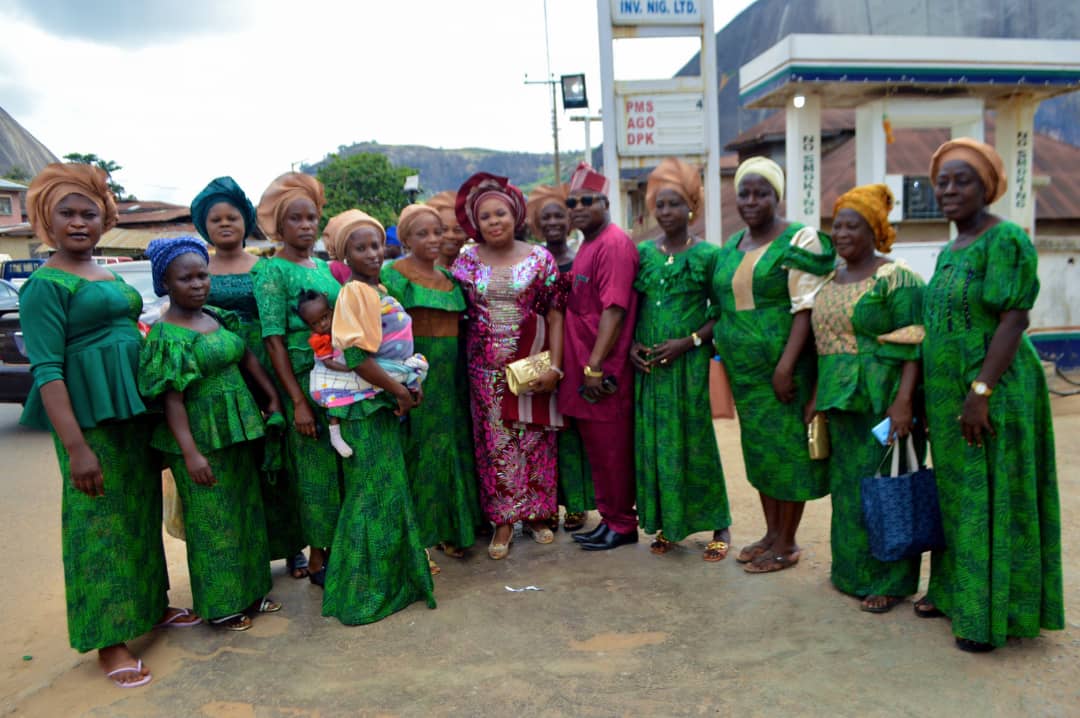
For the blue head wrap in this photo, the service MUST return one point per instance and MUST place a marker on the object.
(391, 237)
(164, 250)
(222, 189)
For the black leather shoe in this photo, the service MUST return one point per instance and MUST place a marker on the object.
(611, 540)
(594, 535)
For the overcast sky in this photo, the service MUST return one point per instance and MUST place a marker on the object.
(179, 92)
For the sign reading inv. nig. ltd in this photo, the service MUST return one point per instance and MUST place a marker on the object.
(656, 12)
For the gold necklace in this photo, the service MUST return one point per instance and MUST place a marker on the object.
(670, 256)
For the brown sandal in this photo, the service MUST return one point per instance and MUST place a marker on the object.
(770, 562)
(751, 552)
(432, 566)
(451, 550)
(661, 545)
(573, 521)
(715, 551)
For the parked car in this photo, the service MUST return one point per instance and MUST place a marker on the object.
(112, 260)
(17, 271)
(15, 378)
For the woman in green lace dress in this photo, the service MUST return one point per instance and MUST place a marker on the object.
(549, 219)
(438, 437)
(993, 438)
(680, 483)
(867, 327)
(379, 565)
(224, 216)
(764, 285)
(191, 360)
(289, 212)
(79, 321)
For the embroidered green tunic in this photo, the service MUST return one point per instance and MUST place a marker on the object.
(757, 294)
(680, 483)
(864, 332)
(1000, 574)
(227, 551)
(236, 293)
(314, 466)
(438, 443)
(85, 334)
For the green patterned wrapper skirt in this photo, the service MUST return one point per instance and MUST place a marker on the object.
(438, 449)
(774, 446)
(316, 471)
(114, 561)
(856, 455)
(575, 477)
(281, 506)
(227, 554)
(680, 483)
(377, 565)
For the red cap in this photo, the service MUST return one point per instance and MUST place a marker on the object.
(585, 177)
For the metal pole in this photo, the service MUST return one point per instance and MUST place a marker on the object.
(713, 223)
(588, 141)
(607, 87)
(555, 130)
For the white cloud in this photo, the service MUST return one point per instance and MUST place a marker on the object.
(296, 80)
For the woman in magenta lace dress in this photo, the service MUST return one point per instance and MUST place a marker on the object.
(511, 290)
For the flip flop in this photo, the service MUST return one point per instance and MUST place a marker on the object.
(174, 621)
(773, 562)
(661, 545)
(891, 602)
(925, 609)
(234, 622)
(266, 605)
(137, 668)
(751, 552)
(715, 551)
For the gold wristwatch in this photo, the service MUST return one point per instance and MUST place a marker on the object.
(695, 338)
(593, 373)
(981, 388)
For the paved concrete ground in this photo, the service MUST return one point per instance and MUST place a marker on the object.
(618, 633)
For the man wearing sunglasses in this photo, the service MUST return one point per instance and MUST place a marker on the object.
(599, 386)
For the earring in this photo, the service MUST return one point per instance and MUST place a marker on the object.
(691, 217)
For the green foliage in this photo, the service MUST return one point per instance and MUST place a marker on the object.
(365, 181)
(18, 174)
(108, 166)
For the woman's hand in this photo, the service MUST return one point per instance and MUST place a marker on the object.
(199, 469)
(591, 390)
(640, 357)
(304, 419)
(418, 396)
(900, 415)
(672, 349)
(975, 419)
(783, 383)
(810, 411)
(334, 365)
(546, 383)
(274, 406)
(86, 471)
(406, 402)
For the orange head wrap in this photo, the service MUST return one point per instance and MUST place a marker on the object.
(57, 181)
(411, 216)
(873, 202)
(281, 193)
(341, 225)
(442, 201)
(541, 197)
(674, 174)
(983, 158)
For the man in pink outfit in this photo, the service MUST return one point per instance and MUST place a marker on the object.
(598, 389)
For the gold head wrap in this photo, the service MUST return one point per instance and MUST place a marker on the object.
(281, 193)
(541, 197)
(873, 202)
(339, 228)
(57, 181)
(410, 217)
(676, 175)
(983, 158)
(764, 168)
(443, 201)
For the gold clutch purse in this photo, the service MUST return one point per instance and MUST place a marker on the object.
(523, 371)
(817, 437)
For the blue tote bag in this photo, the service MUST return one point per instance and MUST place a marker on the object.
(901, 511)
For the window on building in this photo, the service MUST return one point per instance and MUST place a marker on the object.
(5, 205)
(919, 202)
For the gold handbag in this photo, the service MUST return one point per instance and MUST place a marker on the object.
(817, 437)
(523, 371)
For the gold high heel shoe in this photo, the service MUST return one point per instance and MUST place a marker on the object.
(499, 551)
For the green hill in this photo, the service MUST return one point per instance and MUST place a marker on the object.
(442, 169)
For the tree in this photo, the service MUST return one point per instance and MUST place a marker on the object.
(18, 174)
(364, 181)
(108, 166)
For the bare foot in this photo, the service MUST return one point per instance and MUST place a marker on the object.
(116, 658)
